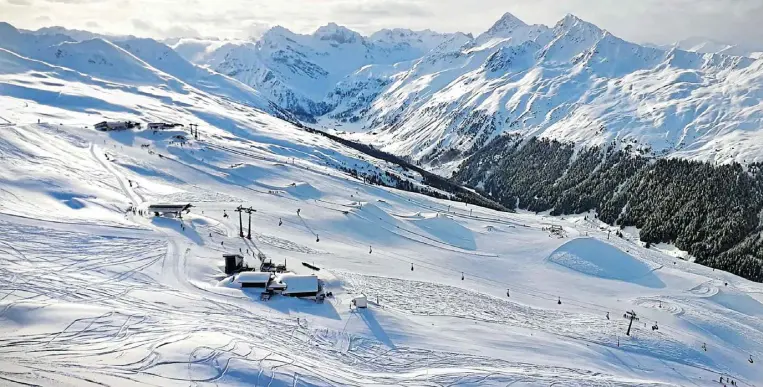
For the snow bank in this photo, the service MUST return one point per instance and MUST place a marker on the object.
(599, 259)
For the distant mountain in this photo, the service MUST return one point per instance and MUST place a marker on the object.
(710, 46)
(298, 71)
(128, 60)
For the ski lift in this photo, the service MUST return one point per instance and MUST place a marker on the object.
(317, 238)
(280, 222)
(560, 301)
(462, 276)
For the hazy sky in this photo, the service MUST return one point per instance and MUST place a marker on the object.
(659, 21)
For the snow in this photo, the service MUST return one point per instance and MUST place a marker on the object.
(298, 283)
(595, 258)
(253, 277)
(93, 295)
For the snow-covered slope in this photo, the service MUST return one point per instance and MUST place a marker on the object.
(94, 294)
(128, 63)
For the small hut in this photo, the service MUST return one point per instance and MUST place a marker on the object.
(360, 302)
(164, 209)
(234, 263)
(300, 285)
(254, 279)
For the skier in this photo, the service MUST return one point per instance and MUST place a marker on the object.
(560, 301)
(370, 250)
(280, 222)
(411, 267)
(507, 293)
(607, 315)
(462, 276)
(298, 209)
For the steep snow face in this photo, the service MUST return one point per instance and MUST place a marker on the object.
(574, 82)
(510, 27)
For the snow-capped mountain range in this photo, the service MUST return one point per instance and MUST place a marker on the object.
(425, 95)
(435, 97)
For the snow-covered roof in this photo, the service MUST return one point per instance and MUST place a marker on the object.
(253, 277)
(299, 283)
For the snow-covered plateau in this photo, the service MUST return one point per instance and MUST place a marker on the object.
(95, 290)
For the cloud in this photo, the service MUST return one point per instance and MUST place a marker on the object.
(255, 30)
(381, 9)
(92, 24)
(19, 2)
(146, 28)
(141, 25)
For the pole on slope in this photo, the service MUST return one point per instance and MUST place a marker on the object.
(239, 209)
(249, 231)
(631, 316)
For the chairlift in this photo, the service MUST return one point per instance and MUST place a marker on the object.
(317, 238)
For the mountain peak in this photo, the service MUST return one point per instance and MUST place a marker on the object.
(570, 22)
(506, 23)
(337, 33)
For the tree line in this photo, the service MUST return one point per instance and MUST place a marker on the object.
(713, 212)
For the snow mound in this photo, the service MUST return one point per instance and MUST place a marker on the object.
(444, 228)
(303, 190)
(739, 302)
(599, 259)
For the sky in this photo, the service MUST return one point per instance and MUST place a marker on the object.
(655, 21)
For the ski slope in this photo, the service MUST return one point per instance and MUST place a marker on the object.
(91, 295)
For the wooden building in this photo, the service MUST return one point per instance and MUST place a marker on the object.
(107, 126)
(234, 263)
(300, 285)
(254, 279)
(164, 209)
(162, 125)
